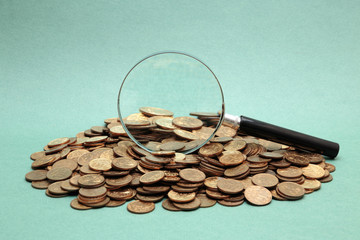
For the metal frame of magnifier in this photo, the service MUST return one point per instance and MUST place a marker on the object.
(255, 127)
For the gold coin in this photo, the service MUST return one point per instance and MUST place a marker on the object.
(187, 123)
(258, 195)
(138, 206)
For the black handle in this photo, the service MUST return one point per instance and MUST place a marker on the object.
(285, 136)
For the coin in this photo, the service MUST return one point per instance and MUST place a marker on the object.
(232, 159)
(290, 172)
(119, 182)
(168, 205)
(211, 182)
(138, 206)
(258, 195)
(224, 131)
(181, 197)
(115, 203)
(43, 184)
(57, 174)
(187, 123)
(205, 201)
(124, 163)
(65, 185)
(265, 180)
(230, 186)
(154, 111)
(91, 180)
(165, 123)
(36, 175)
(216, 194)
(235, 145)
(55, 188)
(100, 164)
(311, 184)
(272, 155)
(92, 192)
(185, 134)
(152, 177)
(58, 141)
(72, 165)
(76, 154)
(121, 194)
(230, 204)
(194, 204)
(330, 167)
(211, 150)
(172, 146)
(313, 171)
(192, 175)
(76, 205)
(236, 171)
(37, 155)
(298, 160)
(44, 161)
(290, 190)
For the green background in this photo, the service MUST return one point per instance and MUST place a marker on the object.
(291, 63)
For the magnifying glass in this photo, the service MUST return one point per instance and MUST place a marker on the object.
(173, 102)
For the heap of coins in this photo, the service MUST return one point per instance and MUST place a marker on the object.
(102, 167)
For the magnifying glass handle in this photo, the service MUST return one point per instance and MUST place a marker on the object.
(285, 136)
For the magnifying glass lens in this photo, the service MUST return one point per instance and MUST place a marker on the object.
(170, 102)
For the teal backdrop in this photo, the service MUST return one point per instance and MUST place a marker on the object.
(291, 63)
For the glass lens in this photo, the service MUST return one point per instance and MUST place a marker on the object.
(170, 102)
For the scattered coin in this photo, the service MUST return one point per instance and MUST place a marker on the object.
(138, 206)
(187, 123)
(290, 190)
(258, 195)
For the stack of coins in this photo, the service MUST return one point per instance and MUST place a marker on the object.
(102, 167)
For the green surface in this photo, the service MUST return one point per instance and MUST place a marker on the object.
(291, 63)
